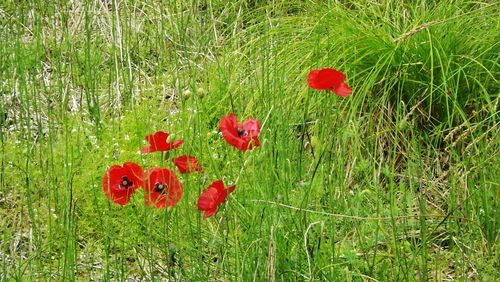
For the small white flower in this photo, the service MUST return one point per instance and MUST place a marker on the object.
(93, 139)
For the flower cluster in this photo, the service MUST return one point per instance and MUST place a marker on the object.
(162, 187)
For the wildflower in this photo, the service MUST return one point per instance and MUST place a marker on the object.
(158, 143)
(329, 79)
(212, 197)
(163, 188)
(241, 136)
(120, 182)
(187, 164)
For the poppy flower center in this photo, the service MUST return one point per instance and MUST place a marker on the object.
(125, 183)
(160, 187)
(241, 132)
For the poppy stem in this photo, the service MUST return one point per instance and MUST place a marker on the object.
(244, 164)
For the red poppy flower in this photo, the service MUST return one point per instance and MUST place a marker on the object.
(163, 188)
(212, 197)
(120, 182)
(328, 79)
(187, 164)
(241, 136)
(158, 143)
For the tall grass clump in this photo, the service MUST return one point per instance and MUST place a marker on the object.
(396, 182)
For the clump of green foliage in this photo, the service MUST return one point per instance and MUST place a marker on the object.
(396, 182)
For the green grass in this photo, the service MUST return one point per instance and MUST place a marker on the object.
(397, 182)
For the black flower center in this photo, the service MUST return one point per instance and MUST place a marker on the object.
(160, 187)
(125, 183)
(241, 132)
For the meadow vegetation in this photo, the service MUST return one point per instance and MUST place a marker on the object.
(398, 181)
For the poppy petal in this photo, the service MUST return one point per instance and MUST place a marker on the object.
(314, 81)
(328, 79)
(239, 143)
(174, 193)
(334, 77)
(252, 125)
(120, 197)
(212, 197)
(209, 213)
(155, 200)
(228, 126)
(173, 145)
(187, 164)
(218, 185)
(343, 90)
(158, 142)
(114, 173)
(136, 171)
(159, 138)
(208, 199)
